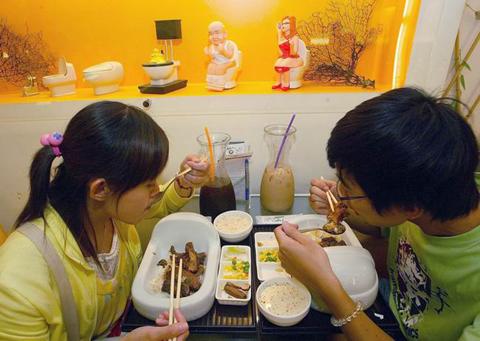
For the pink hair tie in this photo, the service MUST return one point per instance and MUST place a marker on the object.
(53, 140)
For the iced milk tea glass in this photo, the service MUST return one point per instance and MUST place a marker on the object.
(278, 186)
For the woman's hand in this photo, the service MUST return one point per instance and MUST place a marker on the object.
(318, 195)
(303, 258)
(163, 331)
(198, 176)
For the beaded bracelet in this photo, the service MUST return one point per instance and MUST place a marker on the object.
(189, 189)
(343, 321)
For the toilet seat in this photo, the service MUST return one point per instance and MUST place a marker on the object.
(103, 67)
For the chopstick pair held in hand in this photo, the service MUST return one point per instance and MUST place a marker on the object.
(332, 201)
(174, 302)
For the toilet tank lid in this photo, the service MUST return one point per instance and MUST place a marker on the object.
(107, 66)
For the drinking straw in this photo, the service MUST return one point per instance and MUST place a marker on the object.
(210, 150)
(283, 140)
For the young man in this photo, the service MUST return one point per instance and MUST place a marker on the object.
(405, 161)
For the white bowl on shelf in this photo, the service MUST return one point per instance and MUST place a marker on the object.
(233, 234)
(177, 229)
(284, 320)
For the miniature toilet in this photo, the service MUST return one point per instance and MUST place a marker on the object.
(161, 74)
(105, 77)
(296, 73)
(229, 79)
(62, 83)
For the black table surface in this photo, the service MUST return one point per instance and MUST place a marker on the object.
(247, 321)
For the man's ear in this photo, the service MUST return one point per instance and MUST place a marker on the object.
(98, 189)
(413, 212)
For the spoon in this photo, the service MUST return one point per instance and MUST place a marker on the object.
(330, 227)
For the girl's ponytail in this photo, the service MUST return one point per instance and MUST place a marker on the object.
(40, 174)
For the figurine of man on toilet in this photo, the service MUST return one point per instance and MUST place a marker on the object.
(224, 59)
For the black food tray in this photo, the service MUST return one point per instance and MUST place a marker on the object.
(317, 323)
(248, 321)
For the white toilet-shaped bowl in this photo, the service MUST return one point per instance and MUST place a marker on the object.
(355, 268)
(105, 77)
(62, 83)
(161, 74)
(296, 73)
(177, 229)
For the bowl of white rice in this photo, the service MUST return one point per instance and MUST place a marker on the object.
(283, 301)
(233, 226)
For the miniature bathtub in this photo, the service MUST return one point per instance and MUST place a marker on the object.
(177, 229)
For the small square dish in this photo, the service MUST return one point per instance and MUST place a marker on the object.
(266, 257)
(234, 275)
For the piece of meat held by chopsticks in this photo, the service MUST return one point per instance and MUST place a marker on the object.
(338, 211)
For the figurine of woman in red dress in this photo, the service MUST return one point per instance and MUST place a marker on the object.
(288, 45)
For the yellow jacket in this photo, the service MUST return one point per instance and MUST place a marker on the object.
(29, 298)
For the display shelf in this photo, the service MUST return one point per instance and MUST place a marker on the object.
(192, 90)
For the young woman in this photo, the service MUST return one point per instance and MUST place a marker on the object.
(111, 155)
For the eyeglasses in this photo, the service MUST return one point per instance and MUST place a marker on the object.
(346, 197)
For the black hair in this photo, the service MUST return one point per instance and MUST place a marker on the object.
(109, 140)
(407, 149)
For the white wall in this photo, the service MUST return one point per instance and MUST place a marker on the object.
(243, 116)
(469, 28)
(183, 119)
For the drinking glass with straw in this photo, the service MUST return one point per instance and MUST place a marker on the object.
(277, 189)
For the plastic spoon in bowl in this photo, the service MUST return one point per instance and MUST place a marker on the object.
(333, 230)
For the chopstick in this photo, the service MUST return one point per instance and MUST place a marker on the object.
(172, 291)
(332, 207)
(330, 196)
(179, 284)
(163, 187)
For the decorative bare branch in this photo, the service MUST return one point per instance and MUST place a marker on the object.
(23, 55)
(336, 39)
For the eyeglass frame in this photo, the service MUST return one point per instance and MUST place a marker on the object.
(350, 197)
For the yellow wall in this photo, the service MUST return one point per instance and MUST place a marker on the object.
(90, 32)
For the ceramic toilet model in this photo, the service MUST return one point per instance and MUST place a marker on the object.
(229, 79)
(161, 74)
(296, 73)
(105, 77)
(62, 83)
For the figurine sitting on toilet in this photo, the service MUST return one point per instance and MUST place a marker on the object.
(294, 56)
(225, 59)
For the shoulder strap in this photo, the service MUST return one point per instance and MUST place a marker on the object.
(69, 310)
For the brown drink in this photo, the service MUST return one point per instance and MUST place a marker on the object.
(277, 189)
(217, 197)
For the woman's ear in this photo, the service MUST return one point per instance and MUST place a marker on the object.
(98, 189)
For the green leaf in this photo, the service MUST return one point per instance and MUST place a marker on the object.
(462, 81)
(465, 64)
